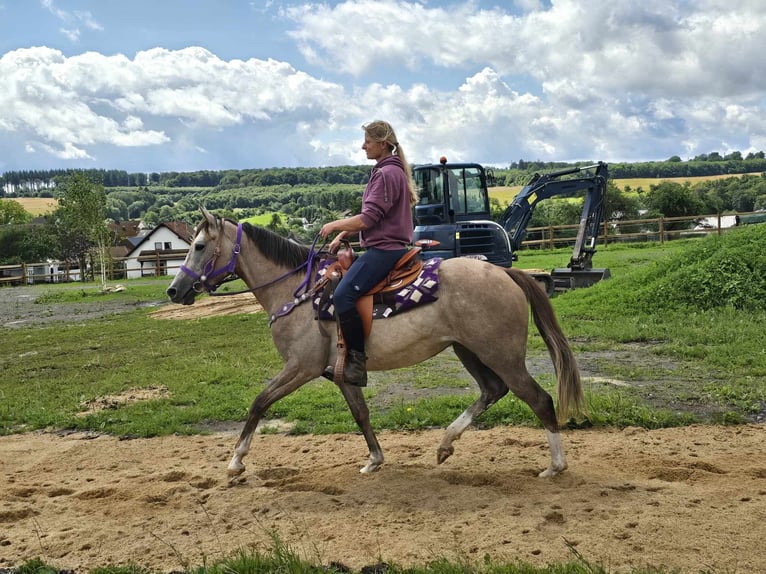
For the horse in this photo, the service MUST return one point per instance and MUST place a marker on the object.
(482, 311)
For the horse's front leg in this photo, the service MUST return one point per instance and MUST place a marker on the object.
(287, 380)
(355, 399)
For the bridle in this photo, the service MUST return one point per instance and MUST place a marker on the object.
(202, 281)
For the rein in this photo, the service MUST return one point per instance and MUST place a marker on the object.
(301, 294)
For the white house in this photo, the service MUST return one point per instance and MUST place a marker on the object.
(160, 251)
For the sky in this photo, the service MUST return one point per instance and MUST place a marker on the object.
(186, 85)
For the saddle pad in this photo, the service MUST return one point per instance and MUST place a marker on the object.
(421, 291)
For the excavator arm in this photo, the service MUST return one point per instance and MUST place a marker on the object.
(519, 212)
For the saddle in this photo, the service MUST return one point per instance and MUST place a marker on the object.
(404, 272)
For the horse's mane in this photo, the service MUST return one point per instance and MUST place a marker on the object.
(274, 247)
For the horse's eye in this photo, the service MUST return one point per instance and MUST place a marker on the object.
(199, 246)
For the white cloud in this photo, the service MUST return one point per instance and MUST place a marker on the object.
(70, 103)
(72, 20)
(611, 80)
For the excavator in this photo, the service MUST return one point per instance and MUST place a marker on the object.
(452, 217)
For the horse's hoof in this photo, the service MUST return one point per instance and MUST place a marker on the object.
(235, 470)
(551, 472)
(370, 468)
(444, 453)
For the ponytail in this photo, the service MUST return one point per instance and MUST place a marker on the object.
(383, 132)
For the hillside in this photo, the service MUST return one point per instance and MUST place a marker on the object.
(717, 271)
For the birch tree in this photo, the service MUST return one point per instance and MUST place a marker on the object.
(82, 215)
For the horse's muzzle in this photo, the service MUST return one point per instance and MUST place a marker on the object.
(186, 298)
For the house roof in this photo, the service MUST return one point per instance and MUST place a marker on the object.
(179, 228)
(183, 230)
(129, 228)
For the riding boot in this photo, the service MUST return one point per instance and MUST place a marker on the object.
(355, 371)
(355, 367)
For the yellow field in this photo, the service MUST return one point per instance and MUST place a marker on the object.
(37, 205)
(646, 182)
(504, 194)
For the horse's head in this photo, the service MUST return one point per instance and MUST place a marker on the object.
(205, 266)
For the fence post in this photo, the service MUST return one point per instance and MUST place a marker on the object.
(662, 230)
(719, 223)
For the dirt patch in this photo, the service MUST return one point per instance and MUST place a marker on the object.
(19, 307)
(689, 499)
(124, 398)
(209, 307)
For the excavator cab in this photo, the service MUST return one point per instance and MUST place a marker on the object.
(452, 217)
(451, 193)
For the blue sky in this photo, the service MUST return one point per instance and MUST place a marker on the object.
(182, 85)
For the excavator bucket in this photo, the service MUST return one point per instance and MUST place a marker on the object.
(565, 278)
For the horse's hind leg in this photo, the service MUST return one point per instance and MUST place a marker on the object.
(361, 414)
(492, 390)
(528, 390)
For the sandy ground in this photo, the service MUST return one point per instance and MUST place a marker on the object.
(691, 498)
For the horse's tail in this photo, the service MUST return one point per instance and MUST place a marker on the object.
(570, 393)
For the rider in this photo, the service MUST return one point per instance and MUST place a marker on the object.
(385, 232)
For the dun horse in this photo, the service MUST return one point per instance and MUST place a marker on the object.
(482, 311)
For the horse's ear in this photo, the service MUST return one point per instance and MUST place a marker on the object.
(209, 217)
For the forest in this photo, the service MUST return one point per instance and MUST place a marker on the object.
(297, 200)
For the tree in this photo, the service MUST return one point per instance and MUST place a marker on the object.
(671, 199)
(13, 213)
(82, 216)
(619, 205)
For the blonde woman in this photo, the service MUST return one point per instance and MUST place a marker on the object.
(385, 232)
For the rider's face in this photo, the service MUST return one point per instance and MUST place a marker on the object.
(375, 150)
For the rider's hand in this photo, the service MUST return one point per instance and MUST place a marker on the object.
(334, 245)
(326, 230)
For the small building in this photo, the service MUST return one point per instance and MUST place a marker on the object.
(160, 251)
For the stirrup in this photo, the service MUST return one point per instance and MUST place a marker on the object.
(358, 367)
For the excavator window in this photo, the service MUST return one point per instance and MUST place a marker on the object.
(467, 194)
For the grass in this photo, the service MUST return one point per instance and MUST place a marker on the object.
(282, 559)
(645, 183)
(212, 368)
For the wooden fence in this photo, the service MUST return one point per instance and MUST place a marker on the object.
(661, 229)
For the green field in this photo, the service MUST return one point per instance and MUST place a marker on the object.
(687, 314)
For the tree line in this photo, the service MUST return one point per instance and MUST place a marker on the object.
(41, 183)
(704, 165)
(300, 208)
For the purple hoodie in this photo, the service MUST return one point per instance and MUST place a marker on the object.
(386, 207)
